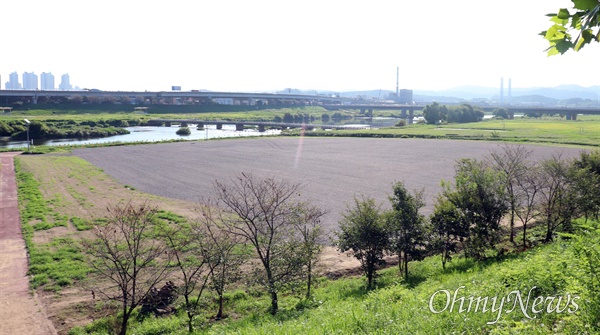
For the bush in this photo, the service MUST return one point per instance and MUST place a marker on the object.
(183, 131)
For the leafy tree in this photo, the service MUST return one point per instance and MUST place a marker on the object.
(447, 229)
(260, 211)
(128, 254)
(511, 161)
(479, 196)
(582, 21)
(435, 113)
(406, 226)
(464, 113)
(503, 113)
(363, 230)
(589, 183)
(325, 117)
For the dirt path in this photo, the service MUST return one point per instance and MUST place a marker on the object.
(20, 312)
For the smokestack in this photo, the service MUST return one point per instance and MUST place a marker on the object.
(509, 90)
(397, 81)
(501, 90)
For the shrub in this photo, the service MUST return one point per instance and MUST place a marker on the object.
(183, 131)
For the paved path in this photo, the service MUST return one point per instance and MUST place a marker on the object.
(20, 312)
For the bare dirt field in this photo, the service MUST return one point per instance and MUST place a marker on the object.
(332, 170)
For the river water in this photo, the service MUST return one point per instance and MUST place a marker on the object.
(149, 134)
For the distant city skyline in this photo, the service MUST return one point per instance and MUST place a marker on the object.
(268, 45)
(30, 81)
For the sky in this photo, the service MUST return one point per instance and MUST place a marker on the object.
(267, 45)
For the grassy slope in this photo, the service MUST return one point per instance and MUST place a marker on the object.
(399, 307)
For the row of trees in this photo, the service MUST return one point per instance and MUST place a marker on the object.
(469, 212)
(261, 222)
(436, 113)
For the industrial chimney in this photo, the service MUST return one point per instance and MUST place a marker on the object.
(397, 81)
(509, 99)
(501, 90)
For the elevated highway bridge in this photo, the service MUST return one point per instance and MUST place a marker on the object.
(241, 98)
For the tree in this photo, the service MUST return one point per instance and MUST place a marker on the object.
(190, 256)
(447, 229)
(307, 222)
(583, 21)
(435, 113)
(503, 113)
(511, 161)
(225, 253)
(464, 113)
(406, 226)
(557, 205)
(363, 230)
(528, 187)
(260, 211)
(128, 255)
(479, 196)
(587, 179)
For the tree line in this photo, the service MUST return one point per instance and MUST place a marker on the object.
(436, 113)
(264, 225)
(469, 213)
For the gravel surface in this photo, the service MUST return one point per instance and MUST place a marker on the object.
(332, 170)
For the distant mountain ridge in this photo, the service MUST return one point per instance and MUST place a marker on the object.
(563, 94)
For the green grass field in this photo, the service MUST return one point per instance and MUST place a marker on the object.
(548, 130)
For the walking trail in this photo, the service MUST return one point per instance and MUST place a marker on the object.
(20, 311)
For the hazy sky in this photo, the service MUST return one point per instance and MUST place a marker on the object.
(262, 45)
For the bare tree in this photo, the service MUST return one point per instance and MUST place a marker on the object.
(128, 255)
(187, 247)
(529, 186)
(307, 221)
(558, 203)
(224, 252)
(511, 161)
(260, 211)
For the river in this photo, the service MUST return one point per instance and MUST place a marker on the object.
(149, 134)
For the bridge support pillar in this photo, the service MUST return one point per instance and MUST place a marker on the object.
(371, 112)
(167, 124)
(184, 124)
(573, 116)
(239, 127)
(362, 111)
(219, 126)
(403, 114)
(261, 128)
(200, 125)
(411, 115)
